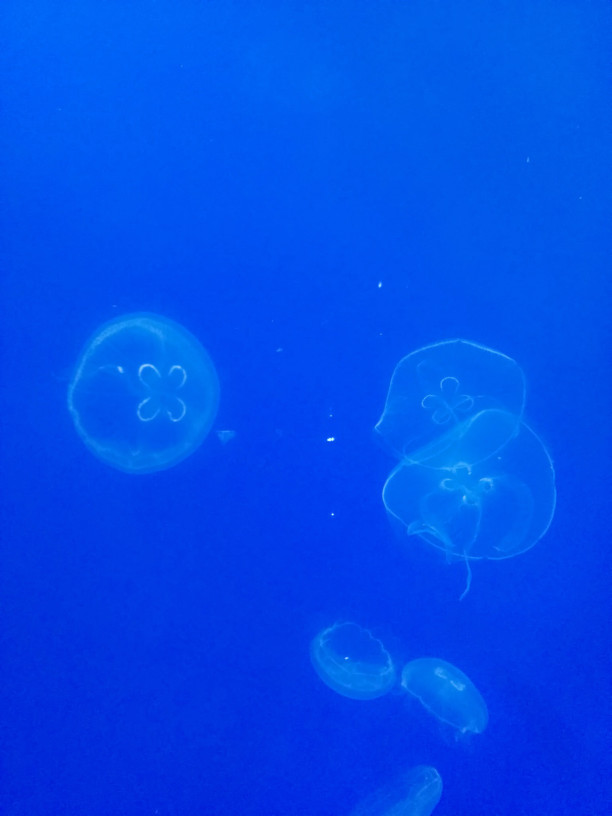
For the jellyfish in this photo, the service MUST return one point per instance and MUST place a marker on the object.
(144, 393)
(415, 793)
(473, 479)
(352, 662)
(478, 506)
(436, 389)
(447, 693)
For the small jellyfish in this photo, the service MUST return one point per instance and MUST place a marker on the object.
(447, 693)
(437, 388)
(352, 662)
(226, 436)
(415, 793)
(144, 393)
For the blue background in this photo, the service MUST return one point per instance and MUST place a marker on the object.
(313, 189)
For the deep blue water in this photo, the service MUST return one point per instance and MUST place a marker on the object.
(314, 190)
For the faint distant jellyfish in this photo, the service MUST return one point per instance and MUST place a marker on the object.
(477, 506)
(144, 393)
(447, 693)
(434, 390)
(226, 436)
(352, 662)
(415, 793)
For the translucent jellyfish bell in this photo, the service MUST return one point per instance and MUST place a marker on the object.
(415, 793)
(144, 393)
(447, 693)
(352, 662)
(437, 388)
(476, 505)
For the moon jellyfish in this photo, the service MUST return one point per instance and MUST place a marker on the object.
(352, 662)
(447, 693)
(473, 479)
(144, 393)
(416, 793)
(477, 505)
(439, 387)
